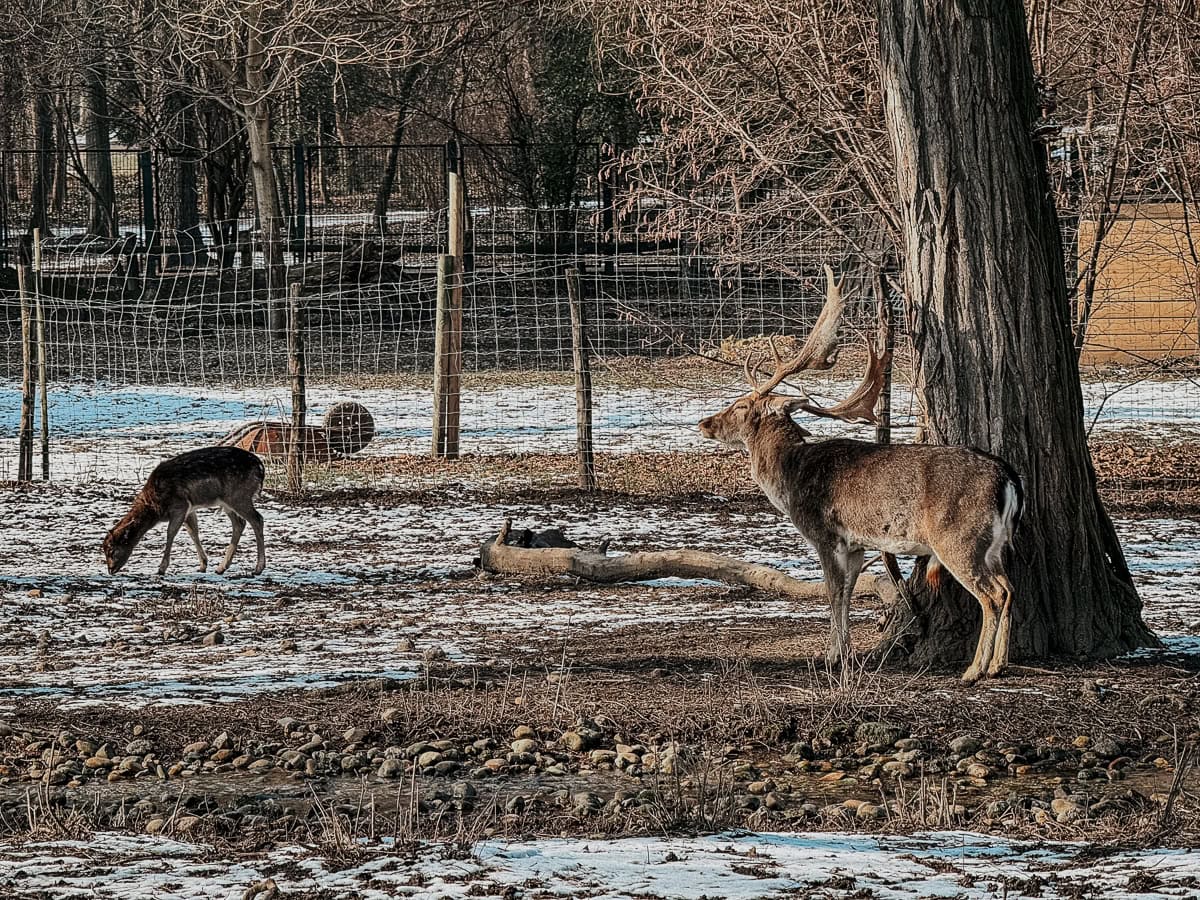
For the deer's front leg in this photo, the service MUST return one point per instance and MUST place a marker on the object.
(834, 566)
(173, 526)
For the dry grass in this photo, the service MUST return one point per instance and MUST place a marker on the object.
(1137, 475)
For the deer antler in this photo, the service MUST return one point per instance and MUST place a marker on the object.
(859, 407)
(820, 348)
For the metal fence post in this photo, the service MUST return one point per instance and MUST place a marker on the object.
(149, 214)
(296, 370)
(300, 177)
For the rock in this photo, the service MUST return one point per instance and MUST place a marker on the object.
(262, 890)
(1106, 748)
(1060, 805)
(774, 802)
(898, 769)
(287, 724)
(603, 758)
(586, 801)
(978, 770)
(428, 759)
(1081, 742)
(316, 742)
(355, 735)
(464, 791)
(196, 748)
(154, 826)
(184, 824)
(291, 759)
(447, 767)
(405, 645)
(352, 762)
(577, 741)
(496, 764)
(390, 715)
(524, 732)
(222, 741)
(524, 745)
(287, 645)
(965, 745)
(748, 802)
(213, 638)
(879, 734)
(761, 787)
(869, 812)
(391, 768)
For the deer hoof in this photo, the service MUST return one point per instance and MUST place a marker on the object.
(220, 570)
(972, 675)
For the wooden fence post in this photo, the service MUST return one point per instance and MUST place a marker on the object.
(886, 343)
(40, 337)
(583, 384)
(295, 338)
(25, 432)
(447, 361)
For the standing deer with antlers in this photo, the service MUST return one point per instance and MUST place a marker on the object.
(958, 505)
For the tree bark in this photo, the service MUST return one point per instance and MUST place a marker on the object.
(44, 160)
(257, 113)
(506, 559)
(406, 83)
(97, 153)
(990, 323)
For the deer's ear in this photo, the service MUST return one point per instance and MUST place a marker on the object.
(785, 406)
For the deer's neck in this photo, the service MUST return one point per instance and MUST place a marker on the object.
(772, 454)
(145, 513)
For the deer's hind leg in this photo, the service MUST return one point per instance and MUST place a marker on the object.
(1000, 652)
(986, 587)
(239, 525)
(244, 508)
(193, 528)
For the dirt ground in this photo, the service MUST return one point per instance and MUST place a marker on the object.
(373, 682)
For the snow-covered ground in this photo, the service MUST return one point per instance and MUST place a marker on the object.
(119, 432)
(741, 866)
(351, 585)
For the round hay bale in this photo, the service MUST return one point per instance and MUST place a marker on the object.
(348, 427)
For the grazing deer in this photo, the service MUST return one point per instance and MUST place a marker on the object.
(228, 477)
(958, 505)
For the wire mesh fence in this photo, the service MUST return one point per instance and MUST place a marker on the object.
(159, 334)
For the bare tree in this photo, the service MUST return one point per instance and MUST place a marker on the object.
(991, 323)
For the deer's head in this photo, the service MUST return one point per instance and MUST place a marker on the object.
(118, 545)
(744, 419)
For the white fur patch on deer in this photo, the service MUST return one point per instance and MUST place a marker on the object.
(958, 505)
(225, 477)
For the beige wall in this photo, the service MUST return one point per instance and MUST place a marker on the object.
(1148, 289)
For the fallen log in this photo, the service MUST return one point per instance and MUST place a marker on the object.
(500, 557)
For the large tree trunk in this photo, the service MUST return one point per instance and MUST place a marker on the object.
(406, 83)
(257, 111)
(97, 153)
(44, 160)
(991, 324)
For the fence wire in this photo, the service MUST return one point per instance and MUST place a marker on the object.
(160, 338)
